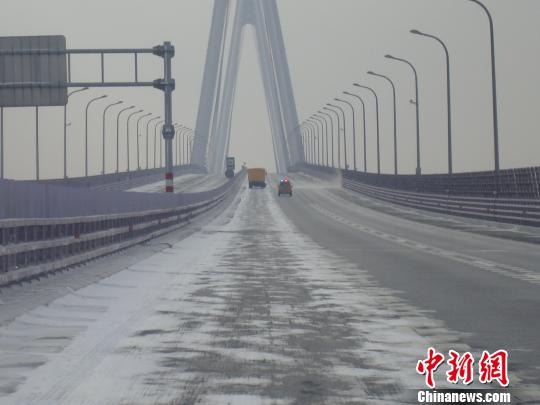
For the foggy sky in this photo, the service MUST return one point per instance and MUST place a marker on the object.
(330, 44)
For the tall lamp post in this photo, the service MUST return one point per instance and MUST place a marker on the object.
(155, 140)
(147, 127)
(180, 134)
(65, 130)
(331, 140)
(103, 135)
(176, 126)
(354, 130)
(138, 135)
(378, 126)
(418, 158)
(320, 130)
(2, 144)
(395, 117)
(323, 118)
(338, 132)
(311, 133)
(364, 124)
(190, 146)
(309, 129)
(86, 133)
(448, 94)
(304, 144)
(344, 133)
(494, 87)
(185, 135)
(118, 135)
(37, 143)
(127, 136)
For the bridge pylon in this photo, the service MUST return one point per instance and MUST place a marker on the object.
(213, 127)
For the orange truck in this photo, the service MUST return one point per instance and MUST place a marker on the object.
(257, 178)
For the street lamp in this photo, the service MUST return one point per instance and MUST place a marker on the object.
(175, 160)
(185, 142)
(180, 135)
(338, 131)
(103, 133)
(395, 117)
(190, 138)
(418, 160)
(65, 130)
(344, 133)
(364, 122)
(118, 134)
(304, 144)
(354, 131)
(378, 126)
(326, 134)
(138, 135)
(127, 136)
(147, 126)
(309, 130)
(86, 134)
(448, 94)
(155, 140)
(328, 141)
(494, 86)
(312, 134)
(317, 123)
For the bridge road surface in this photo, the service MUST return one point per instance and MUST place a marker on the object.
(310, 299)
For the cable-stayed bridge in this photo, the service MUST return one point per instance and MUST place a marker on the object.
(116, 287)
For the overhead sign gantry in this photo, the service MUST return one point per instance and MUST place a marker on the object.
(36, 71)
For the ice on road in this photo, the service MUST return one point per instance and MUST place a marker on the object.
(246, 311)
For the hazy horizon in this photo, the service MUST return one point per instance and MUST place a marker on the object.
(329, 45)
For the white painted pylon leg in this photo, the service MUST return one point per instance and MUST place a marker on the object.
(212, 134)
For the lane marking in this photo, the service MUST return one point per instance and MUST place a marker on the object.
(514, 272)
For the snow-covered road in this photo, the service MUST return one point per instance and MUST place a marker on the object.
(247, 311)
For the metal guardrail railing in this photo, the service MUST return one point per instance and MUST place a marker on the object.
(479, 204)
(131, 179)
(509, 183)
(35, 247)
(507, 210)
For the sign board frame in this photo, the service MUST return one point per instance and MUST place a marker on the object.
(34, 59)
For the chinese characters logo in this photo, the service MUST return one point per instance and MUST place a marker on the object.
(492, 367)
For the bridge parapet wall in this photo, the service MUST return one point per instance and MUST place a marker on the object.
(472, 195)
(71, 226)
(510, 183)
(523, 183)
(131, 179)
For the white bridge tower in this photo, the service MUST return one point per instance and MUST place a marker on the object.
(213, 127)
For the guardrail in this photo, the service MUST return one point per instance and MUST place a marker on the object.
(35, 247)
(513, 211)
(130, 179)
(495, 207)
(509, 183)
